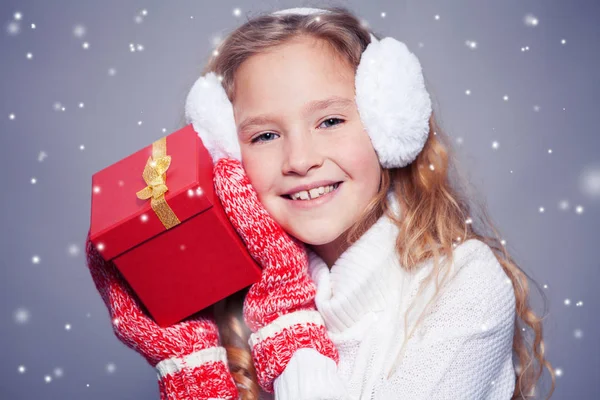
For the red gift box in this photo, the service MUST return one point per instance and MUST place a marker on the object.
(155, 214)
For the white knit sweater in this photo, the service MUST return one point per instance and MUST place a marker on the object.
(461, 350)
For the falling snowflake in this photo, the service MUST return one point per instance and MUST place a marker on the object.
(22, 315)
(589, 181)
(530, 20)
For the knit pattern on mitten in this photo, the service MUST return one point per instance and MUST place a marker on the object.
(180, 351)
(284, 291)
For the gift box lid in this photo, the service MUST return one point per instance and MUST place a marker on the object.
(121, 220)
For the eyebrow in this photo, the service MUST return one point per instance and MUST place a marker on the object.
(308, 109)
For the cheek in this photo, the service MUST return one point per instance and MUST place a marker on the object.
(262, 173)
(358, 158)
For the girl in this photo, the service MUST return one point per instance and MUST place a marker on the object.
(413, 300)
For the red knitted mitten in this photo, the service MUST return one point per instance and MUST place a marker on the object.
(189, 361)
(279, 309)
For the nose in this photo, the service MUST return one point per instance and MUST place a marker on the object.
(301, 154)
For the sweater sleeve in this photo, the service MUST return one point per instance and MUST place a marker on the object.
(463, 349)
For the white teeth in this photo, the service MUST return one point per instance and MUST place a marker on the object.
(313, 193)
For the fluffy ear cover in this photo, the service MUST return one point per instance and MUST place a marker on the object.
(392, 101)
(209, 110)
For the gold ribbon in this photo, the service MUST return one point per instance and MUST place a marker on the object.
(155, 176)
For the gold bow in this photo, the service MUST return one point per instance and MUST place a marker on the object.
(155, 176)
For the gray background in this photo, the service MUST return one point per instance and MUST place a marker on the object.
(40, 301)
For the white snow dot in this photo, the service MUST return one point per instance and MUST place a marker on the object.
(13, 28)
(100, 246)
(29, 56)
(467, 92)
(579, 209)
(96, 189)
(81, 147)
(67, 327)
(85, 45)
(383, 15)
(579, 304)
(541, 209)
(531, 20)
(437, 17)
(431, 167)
(110, 368)
(503, 242)
(237, 12)
(567, 302)
(144, 217)
(459, 140)
(73, 250)
(42, 156)
(505, 98)
(589, 181)
(58, 372)
(18, 16)
(471, 44)
(536, 108)
(22, 369)
(182, 247)
(79, 30)
(81, 105)
(144, 12)
(32, 26)
(549, 151)
(558, 372)
(139, 123)
(495, 145)
(11, 116)
(33, 181)
(578, 333)
(563, 205)
(545, 286)
(22, 315)
(48, 378)
(469, 221)
(563, 41)
(112, 71)
(35, 259)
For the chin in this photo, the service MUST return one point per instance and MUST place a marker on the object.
(314, 237)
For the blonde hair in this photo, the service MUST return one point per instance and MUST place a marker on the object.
(433, 196)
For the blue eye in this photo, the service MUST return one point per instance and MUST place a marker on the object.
(260, 136)
(334, 119)
(268, 135)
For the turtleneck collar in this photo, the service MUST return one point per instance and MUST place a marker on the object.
(361, 279)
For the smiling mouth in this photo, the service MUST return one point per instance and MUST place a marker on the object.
(335, 187)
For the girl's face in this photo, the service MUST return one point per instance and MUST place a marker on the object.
(298, 124)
